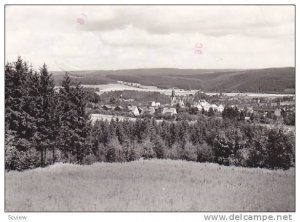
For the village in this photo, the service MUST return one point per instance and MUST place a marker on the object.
(189, 107)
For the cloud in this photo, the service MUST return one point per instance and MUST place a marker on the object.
(216, 20)
(121, 37)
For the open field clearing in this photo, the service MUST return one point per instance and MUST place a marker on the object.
(95, 117)
(120, 87)
(150, 185)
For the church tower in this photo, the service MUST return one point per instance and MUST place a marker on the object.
(173, 98)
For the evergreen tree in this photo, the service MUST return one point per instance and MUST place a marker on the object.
(159, 147)
(45, 113)
(114, 151)
(211, 112)
(242, 116)
(148, 149)
(74, 127)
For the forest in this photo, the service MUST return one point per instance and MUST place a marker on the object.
(45, 125)
(269, 80)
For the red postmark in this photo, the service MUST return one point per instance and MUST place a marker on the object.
(81, 19)
(198, 48)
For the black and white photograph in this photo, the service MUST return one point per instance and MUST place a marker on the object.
(149, 108)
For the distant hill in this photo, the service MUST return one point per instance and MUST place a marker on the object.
(270, 80)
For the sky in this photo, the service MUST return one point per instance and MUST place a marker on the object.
(99, 37)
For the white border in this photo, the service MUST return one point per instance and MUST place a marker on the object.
(174, 217)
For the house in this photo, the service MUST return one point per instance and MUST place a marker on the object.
(128, 100)
(205, 105)
(170, 111)
(247, 118)
(181, 103)
(155, 104)
(149, 110)
(108, 107)
(199, 107)
(221, 108)
(134, 110)
(214, 107)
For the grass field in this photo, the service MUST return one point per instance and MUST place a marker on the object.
(150, 185)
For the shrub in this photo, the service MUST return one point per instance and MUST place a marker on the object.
(89, 159)
(114, 151)
(173, 152)
(159, 148)
(240, 158)
(189, 152)
(222, 149)
(101, 153)
(279, 149)
(258, 152)
(16, 159)
(205, 153)
(133, 152)
(147, 149)
(20, 160)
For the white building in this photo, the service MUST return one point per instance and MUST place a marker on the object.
(134, 110)
(171, 111)
(205, 105)
(199, 107)
(181, 103)
(155, 104)
(221, 108)
(214, 107)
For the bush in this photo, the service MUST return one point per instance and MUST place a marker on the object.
(159, 148)
(189, 152)
(205, 153)
(89, 159)
(15, 159)
(147, 149)
(289, 119)
(222, 149)
(173, 152)
(101, 153)
(258, 152)
(114, 151)
(133, 152)
(240, 158)
(20, 160)
(279, 150)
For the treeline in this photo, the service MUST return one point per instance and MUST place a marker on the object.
(45, 125)
(225, 142)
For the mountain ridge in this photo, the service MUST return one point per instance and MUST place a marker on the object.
(266, 80)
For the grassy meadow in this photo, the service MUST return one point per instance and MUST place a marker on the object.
(149, 185)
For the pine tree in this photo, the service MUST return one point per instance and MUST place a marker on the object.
(74, 127)
(45, 116)
(211, 112)
(29, 97)
(19, 103)
(16, 93)
(114, 151)
(159, 147)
